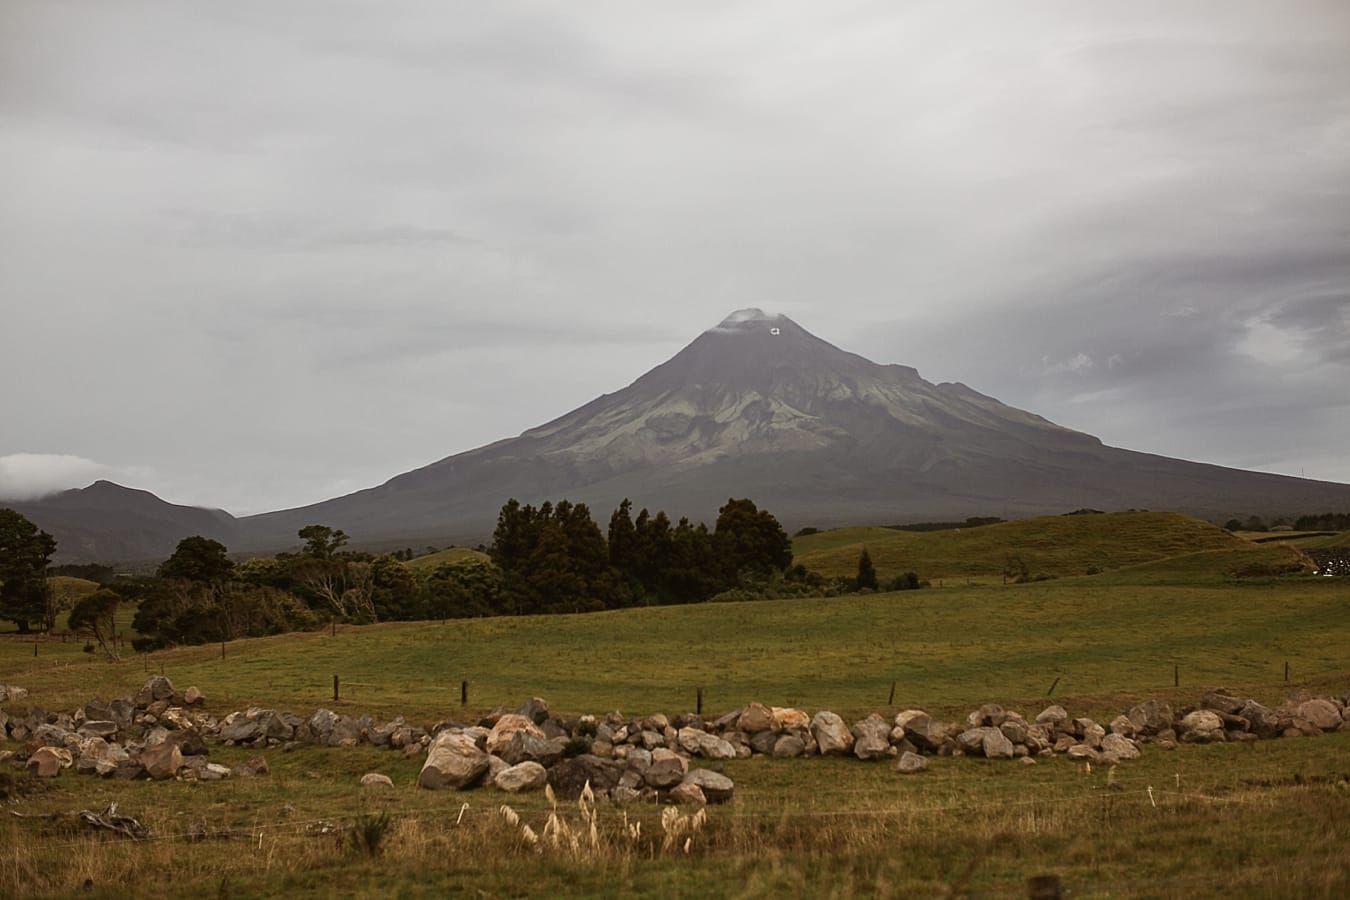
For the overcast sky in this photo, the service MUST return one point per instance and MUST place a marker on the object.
(259, 254)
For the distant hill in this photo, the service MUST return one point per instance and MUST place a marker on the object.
(109, 522)
(1048, 545)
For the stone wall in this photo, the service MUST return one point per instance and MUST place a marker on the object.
(160, 734)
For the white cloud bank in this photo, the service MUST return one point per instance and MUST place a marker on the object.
(30, 476)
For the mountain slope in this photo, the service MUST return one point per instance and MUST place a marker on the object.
(759, 407)
(107, 522)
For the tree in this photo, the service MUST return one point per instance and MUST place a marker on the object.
(198, 559)
(25, 552)
(867, 574)
(470, 587)
(750, 540)
(96, 616)
(322, 542)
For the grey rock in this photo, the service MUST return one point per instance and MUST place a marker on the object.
(453, 761)
(526, 776)
(716, 787)
(831, 734)
(911, 763)
(1151, 717)
(872, 738)
(569, 777)
(668, 769)
(535, 709)
(684, 794)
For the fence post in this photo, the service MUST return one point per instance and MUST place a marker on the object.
(1286, 670)
(891, 700)
(335, 687)
(463, 693)
(699, 702)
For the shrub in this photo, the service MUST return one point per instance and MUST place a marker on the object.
(368, 833)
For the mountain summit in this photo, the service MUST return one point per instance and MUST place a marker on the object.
(759, 407)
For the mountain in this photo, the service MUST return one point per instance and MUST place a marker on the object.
(758, 407)
(108, 522)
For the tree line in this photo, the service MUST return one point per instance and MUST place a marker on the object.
(553, 558)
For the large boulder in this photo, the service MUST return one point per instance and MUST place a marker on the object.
(924, 732)
(1203, 726)
(911, 763)
(535, 709)
(525, 746)
(789, 746)
(453, 761)
(239, 727)
(47, 762)
(1320, 712)
(162, 761)
(1053, 717)
(668, 769)
(1151, 717)
(98, 728)
(754, 718)
(1261, 720)
(831, 734)
(570, 777)
(872, 738)
(506, 728)
(156, 687)
(710, 746)
(1119, 746)
(525, 776)
(1222, 701)
(716, 787)
(986, 740)
(789, 719)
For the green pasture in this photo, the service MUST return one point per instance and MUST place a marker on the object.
(1168, 619)
(1127, 633)
(452, 555)
(1048, 545)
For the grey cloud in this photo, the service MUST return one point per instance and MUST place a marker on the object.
(464, 219)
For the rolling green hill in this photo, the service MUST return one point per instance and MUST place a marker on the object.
(1051, 545)
(451, 555)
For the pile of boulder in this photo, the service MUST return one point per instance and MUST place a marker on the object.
(156, 734)
(160, 733)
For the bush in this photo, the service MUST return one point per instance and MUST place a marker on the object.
(368, 833)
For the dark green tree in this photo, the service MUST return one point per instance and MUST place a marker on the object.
(749, 541)
(321, 541)
(198, 559)
(25, 552)
(95, 617)
(395, 590)
(867, 574)
(470, 587)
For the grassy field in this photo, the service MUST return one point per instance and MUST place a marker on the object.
(452, 555)
(1049, 545)
(1265, 819)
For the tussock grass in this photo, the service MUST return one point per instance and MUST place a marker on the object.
(1262, 819)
